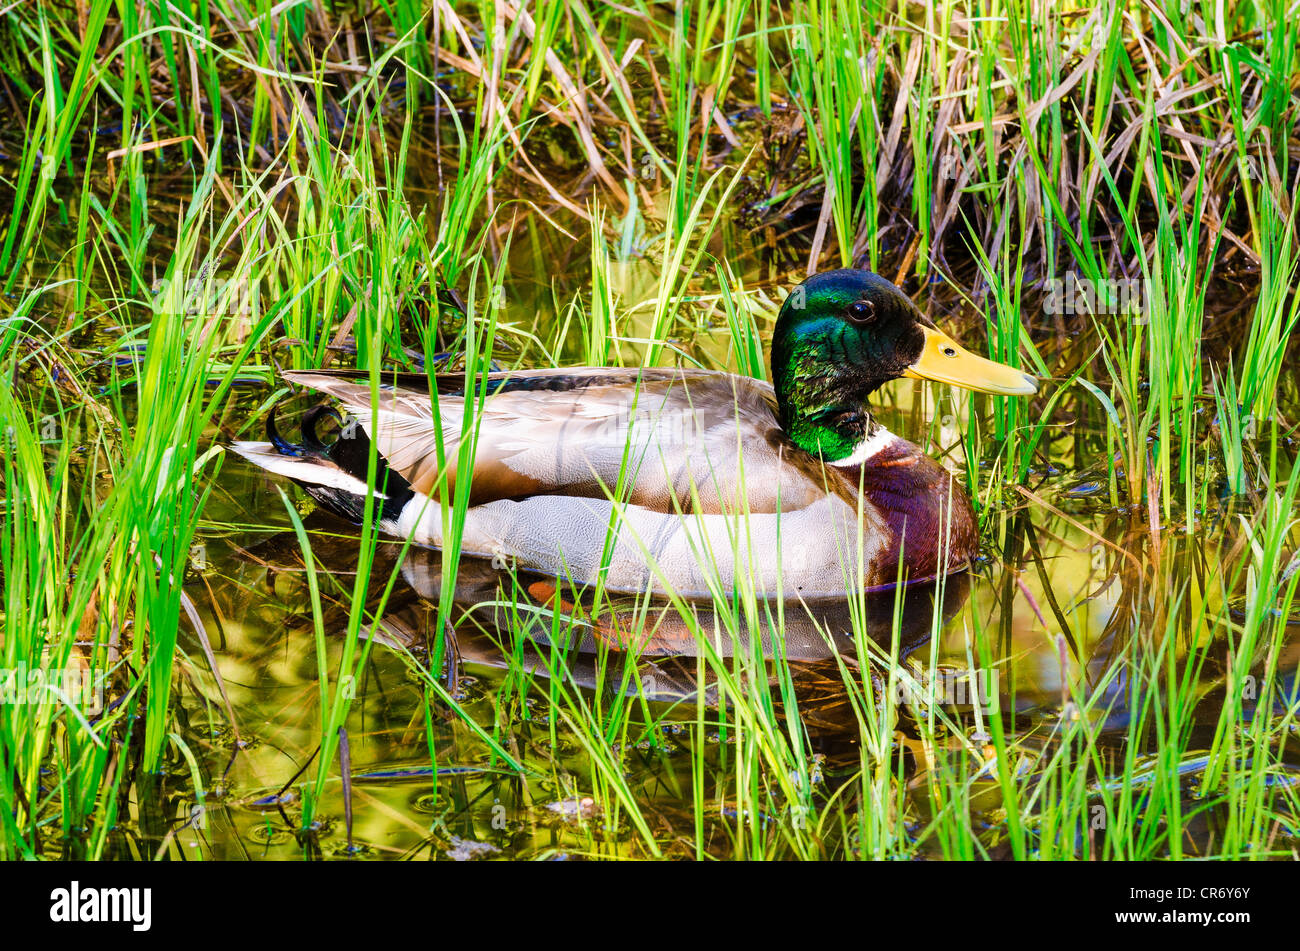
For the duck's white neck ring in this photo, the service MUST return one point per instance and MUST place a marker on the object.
(865, 451)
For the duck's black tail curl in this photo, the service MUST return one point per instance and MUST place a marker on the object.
(333, 474)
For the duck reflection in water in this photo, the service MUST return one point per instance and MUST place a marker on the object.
(503, 619)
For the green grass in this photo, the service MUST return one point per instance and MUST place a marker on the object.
(195, 196)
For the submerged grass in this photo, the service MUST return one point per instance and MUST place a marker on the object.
(194, 197)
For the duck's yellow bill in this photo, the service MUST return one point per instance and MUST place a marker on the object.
(946, 361)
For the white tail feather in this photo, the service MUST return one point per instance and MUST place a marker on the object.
(315, 471)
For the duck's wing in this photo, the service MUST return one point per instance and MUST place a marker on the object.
(664, 439)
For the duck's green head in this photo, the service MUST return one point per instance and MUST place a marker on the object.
(840, 336)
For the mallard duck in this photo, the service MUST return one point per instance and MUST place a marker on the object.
(685, 481)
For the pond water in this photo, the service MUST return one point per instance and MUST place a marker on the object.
(1075, 588)
(254, 601)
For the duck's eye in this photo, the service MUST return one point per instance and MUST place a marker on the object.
(862, 311)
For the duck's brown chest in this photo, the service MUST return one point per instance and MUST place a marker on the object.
(926, 510)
